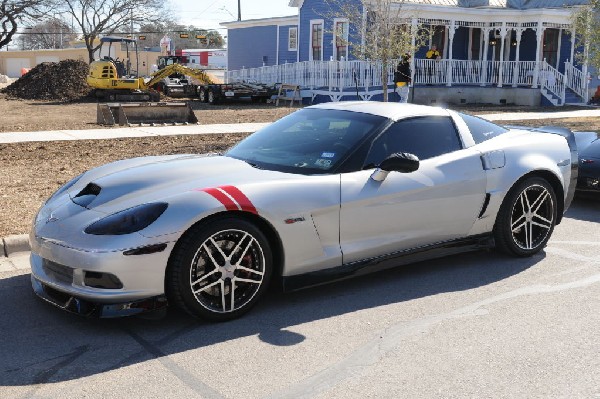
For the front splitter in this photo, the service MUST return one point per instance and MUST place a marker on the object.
(87, 308)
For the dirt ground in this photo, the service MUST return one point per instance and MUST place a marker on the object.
(32, 171)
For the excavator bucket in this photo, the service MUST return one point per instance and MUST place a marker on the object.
(126, 114)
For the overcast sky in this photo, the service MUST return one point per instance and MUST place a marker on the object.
(209, 13)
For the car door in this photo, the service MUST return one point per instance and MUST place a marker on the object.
(438, 202)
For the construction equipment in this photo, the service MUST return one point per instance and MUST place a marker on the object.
(116, 80)
(125, 114)
(215, 93)
(176, 84)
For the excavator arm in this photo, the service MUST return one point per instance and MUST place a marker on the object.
(159, 75)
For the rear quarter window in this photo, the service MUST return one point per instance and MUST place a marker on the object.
(482, 130)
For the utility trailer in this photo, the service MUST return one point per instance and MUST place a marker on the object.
(215, 93)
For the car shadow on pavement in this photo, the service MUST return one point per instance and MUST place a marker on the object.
(585, 207)
(42, 344)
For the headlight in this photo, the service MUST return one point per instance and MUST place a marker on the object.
(128, 221)
(65, 187)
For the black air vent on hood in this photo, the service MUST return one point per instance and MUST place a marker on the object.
(87, 195)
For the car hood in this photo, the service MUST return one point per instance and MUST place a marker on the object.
(124, 184)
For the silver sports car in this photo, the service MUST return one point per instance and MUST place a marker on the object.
(329, 192)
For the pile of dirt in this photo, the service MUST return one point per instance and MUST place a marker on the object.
(61, 81)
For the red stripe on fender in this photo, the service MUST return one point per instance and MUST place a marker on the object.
(222, 198)
(241, 198)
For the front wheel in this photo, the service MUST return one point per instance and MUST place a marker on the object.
(527, 218)
(219, 270)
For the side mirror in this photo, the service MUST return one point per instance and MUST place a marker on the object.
(402, 162)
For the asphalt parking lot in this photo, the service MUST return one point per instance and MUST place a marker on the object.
(474, 325)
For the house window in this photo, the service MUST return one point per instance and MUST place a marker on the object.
(341, 39)
(316, 40)
(293, 39)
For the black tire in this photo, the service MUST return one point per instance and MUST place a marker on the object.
(209, 277)
(527, 218)
(202, 95)
(213, 98)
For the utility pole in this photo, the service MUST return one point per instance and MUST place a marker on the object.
(239, 11)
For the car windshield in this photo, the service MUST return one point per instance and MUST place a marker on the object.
(309, 141)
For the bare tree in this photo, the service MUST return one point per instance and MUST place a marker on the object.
(14, 13)
(50, 34)
(96, 17)
(380, 30)
(586, 21)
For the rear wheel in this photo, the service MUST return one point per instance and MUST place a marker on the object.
(212, 97)
(202, 95)
(219, 270)
(526, 218)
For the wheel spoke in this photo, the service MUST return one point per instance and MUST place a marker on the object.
(517, 221)
(238, 246)
(539, 201)
(207, 287)
(529, 237)
(250, 270)
(543, 219)
(232, 294)
(246, 280)
(544, 226)
(201, 279)
(516, 229)
(244, 252)
(525, 201)
(210, 254)
(223, 295)
(225, 257)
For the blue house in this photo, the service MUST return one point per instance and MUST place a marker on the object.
(492, 51)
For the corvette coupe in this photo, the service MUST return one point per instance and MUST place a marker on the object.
(328, 192)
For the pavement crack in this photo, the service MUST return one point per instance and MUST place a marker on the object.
(183, 375)
(46, 375)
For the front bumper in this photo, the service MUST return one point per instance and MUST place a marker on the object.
(98, 283)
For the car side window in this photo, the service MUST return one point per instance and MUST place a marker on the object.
(482, 130)
(425, 137)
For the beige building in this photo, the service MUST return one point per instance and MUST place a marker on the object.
(13, 62)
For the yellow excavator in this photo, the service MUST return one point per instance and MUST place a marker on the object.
(116, 81)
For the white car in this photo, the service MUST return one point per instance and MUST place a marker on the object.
(328, 192)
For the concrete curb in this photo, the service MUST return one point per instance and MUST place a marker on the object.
(13, 244)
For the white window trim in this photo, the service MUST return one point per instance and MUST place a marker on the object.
(335, 47)
(289, 32)
(310, 51)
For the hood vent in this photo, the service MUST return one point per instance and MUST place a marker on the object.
(87, 195)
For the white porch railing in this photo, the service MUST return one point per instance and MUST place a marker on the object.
(552, 84)
(574, 80)
(336, 77)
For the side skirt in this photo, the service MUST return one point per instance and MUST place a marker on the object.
(371, 265)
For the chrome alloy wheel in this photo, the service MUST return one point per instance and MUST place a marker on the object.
(227, 271)
(532, 217)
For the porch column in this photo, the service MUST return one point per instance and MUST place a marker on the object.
(451, 31)
(536, 72)
(503, 32)
(572, 46)
(519, 32)
(484, 62)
